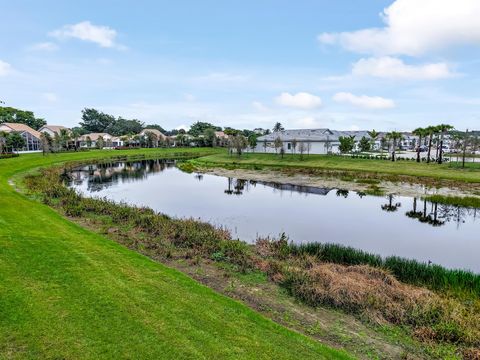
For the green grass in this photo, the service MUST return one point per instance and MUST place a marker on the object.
(465, 201)
(66, 292)
(447, 171)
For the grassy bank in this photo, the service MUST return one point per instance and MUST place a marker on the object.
(367, 291)
(467, 201)
(406, 170)
(66, 292)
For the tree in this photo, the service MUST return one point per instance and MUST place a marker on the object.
(265, 145)
(64, 138)
(364, 144)
(252, 141)
(180, 139)
(431, 131)
(199, 128)
(3, 142)
(96, 121)
(75, 135)
(15, 141)
(294, 145)
(100, 143)
(239, 143)
(46, 143)
(373, 137)
(278, 143)
(301, 149)
(10, 114)
(421, 133)
(88, 141)
(394, 136)
(443, 129)
(347, 144)
(151, 140)
(278, 127)
(123, 126)
(209, 137)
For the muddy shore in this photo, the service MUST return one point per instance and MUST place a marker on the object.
(387, 187)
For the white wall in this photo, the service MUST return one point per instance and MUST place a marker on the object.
(317, 147)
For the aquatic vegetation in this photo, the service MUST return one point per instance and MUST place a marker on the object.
(465, 201)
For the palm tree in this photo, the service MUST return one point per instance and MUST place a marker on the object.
(395, 136)
(278, 127)
(431, 131)
(421, 133)
(373, 136)
(443, 129)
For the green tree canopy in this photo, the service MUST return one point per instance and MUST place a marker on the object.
(199, 128)
(10, 114)
(123, 126)
(96, 121)
(347, 144)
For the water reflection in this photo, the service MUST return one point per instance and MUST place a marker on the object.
(104, 175)
(425, 231)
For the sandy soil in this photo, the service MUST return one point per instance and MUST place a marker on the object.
(397, 188)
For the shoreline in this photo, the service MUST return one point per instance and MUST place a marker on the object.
(387, 187)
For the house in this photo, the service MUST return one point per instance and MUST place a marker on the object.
(32, 137)
(317, 141)
(94, 137)
(52, 130)
(157, 133)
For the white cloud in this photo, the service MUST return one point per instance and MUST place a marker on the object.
(50, 97)
(368, 102)
(103, 36)
(393, 68)
(414, 27)
(189, 97)
(44, 46)
(301, 100)
(307, 122)
(5, 68)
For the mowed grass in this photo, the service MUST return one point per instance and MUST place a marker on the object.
(66, 292)
(447, 171)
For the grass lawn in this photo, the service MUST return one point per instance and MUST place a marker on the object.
(66, 292)
(448, 171)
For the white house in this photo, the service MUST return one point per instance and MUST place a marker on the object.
(319, 141)
(109, 141)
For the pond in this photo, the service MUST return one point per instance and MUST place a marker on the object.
(391, 225)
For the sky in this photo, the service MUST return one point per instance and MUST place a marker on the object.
(344, 64)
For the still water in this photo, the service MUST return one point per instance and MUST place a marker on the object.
(398, 225)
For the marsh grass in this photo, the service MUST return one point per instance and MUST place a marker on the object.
(413, 272)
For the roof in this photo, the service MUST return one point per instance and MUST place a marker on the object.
(158, 133)
(95, 136)
(53, 128)
(22, 128)
(220, 134)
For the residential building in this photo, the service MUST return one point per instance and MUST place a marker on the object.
(32, 137)
(318, 141)
(52, 130)
(94, 137)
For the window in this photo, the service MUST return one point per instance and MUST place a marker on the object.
(289, 146)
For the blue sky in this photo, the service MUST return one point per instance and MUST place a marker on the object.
(388, 65)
